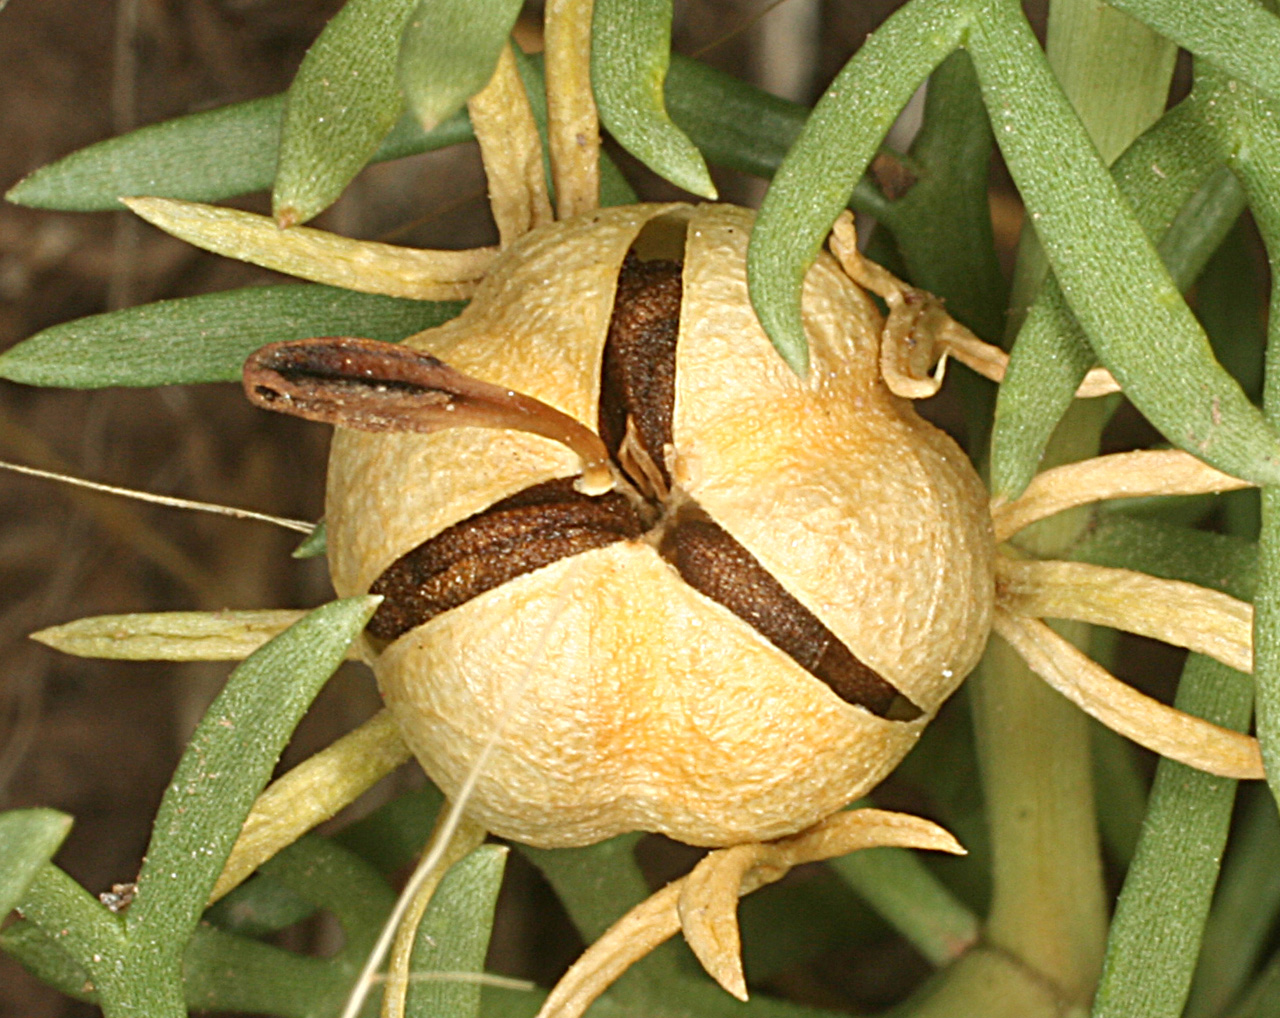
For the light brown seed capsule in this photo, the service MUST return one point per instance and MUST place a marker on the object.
(792, 577)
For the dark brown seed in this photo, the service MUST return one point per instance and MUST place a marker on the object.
(529, 530)
(639, 375)
(712, 562)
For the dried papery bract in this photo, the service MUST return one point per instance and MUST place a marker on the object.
(705, 902)
(373, 386)
(919, 335)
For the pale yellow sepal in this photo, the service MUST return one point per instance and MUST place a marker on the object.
(919, 335)
(317, 255)
(311, 793)
(169, 636)
(512, 152)
(1182, 614)
(1121, 475)
(573, 125)
(705, 902)
(1169, 732)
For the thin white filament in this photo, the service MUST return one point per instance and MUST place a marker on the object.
(445, 831)
(482, 978)
(301, 526)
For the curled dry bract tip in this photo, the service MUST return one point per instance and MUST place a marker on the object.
(750, 632)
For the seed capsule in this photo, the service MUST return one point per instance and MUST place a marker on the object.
(749, 632)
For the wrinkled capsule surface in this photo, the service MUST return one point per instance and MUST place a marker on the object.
(613, 694)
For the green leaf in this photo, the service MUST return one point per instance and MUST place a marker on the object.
(227, 763)
(1160, 916)
(314, 544)
(448, 53)
(40, 954)
(232, 150)
(942, 225)
(90, 938)
(1251, 140)
(258, 907)
(1244, 908)
(838, 141)
(1240, 36)
(453, 937)
(207, 338)
(343, 101)
(392, 836)
(899, 886)
(28, 839)
(630, 52)
(204, 156)
(1109, 272)
(225, 972)
(1173, 552)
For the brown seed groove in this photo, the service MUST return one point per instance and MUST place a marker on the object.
(529, 530)
(713, 563)
(377, 386)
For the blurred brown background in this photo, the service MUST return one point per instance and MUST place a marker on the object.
(99, 740)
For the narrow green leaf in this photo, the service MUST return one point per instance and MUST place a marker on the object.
(392, 837)
(232, 150)
(343, 101)
(41, 955)
(899, 886)
(1052, 353)
(91, 937)
(314, 544)
(333, 878)
(745, 128)
(1256, 136)
(1263, 998)
(1173, 552)
(1240, 36)
(207, 338)
(258, 907)
(1244, 909)
(225, 972)
(205, 156)
(28, 839)
(227, 763)
(448, 53)
(1108, 271)
(597, 884)
(942, 225)
(1160, 916)
(630, 52)
(453, 937)
(840, 137)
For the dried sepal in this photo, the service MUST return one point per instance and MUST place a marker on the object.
(919, 335)
(1120, 475)
(369, 385)
(1178, 613)
(704, 903)
(1169, 732)
(311, 793)
(169, 636)
(317, 255)
(573, 125)
(512, 152)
